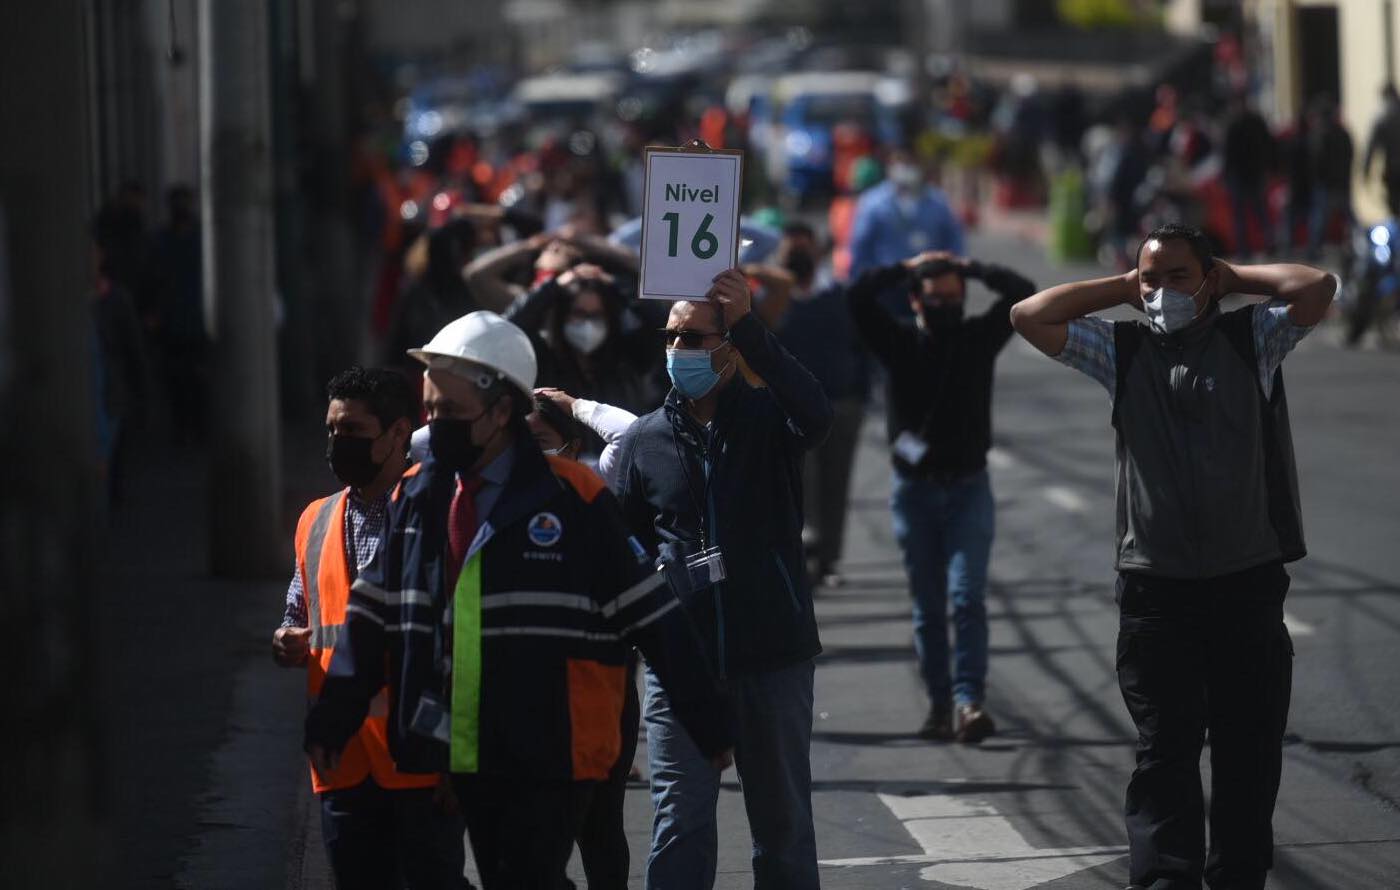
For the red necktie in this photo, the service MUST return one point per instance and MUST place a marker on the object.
(462, 523)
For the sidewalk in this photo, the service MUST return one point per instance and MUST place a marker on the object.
(201, 732)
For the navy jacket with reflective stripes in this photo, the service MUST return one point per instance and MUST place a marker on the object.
(564, 593)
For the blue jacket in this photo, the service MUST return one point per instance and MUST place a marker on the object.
(883, 234)
(738, 485)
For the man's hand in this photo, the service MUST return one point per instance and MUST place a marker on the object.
(323, 760)
(557, 256)
(731, 293)
(1227, 279)
(558, 397)
(1131, 289)
(584, 272)
(723, 760)
(445, 798)
(291, 645)
(933, 256)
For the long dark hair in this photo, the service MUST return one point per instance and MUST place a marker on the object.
(613, 305)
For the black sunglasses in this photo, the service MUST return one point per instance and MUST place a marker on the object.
(689, 339)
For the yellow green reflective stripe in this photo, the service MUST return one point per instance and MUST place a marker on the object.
(466, 669)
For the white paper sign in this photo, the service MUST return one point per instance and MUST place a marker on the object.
(690, 221)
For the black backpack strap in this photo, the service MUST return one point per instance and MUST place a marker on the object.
(1279, 468)
(1127, 337)
(1238, 329)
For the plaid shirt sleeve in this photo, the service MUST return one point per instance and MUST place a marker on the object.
(1275, 335)
(294, 614)
(1089, 349)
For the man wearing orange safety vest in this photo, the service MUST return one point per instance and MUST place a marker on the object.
(382, 828)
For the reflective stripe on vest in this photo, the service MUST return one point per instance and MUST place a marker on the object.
(315, 542)
(323, 560)
(465, 746)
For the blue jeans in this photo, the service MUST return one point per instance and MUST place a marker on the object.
(945, 530)
(774, 711)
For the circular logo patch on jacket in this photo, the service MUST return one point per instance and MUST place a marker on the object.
(545, 530)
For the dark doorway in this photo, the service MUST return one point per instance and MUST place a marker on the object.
(1319, 54)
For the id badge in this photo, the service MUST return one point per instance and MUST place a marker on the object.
(696, 572)
(432, 719)
(705, 568)
(910, 448)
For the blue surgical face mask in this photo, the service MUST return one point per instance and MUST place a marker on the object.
(691, 371)
(1168, 310)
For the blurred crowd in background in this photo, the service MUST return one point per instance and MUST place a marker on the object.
(472, 187)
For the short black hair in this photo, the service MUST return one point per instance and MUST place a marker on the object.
(1199, 242)
(556, 419)
(799, 229)
(388, 394)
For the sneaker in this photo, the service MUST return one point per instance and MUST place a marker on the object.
(938, 725)
(973, 724)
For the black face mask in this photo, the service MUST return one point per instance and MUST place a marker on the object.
(451, 444)
(801, 264)
(351, 459)
(942, 316)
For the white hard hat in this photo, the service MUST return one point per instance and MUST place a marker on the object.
(485, 339)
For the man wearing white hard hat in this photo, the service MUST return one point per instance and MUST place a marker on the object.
(499, 613)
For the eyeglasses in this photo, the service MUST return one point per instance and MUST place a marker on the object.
(689, 339)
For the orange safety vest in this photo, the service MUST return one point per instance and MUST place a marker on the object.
(324, 563)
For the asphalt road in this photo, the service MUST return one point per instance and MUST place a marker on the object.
(208, 787)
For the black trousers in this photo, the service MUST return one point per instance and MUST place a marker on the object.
(1197, 658)
(522, 831)
(602, 839)
(377, 839)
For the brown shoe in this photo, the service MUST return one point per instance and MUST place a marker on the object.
(973, 724)
(938, 725)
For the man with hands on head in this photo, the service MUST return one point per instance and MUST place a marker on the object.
(940, 372)
(1208, 514)
(713, 480)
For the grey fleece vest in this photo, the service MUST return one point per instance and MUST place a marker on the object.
(1207, 483)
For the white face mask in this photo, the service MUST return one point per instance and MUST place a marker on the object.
(906, 177)
(1168, 311)
(586, 334)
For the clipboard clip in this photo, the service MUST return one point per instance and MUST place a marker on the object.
(697, 145)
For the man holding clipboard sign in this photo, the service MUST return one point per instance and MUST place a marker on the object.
(711, 481)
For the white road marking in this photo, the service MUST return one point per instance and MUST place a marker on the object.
(1296, 626)
(968, 843)
(1066, 498)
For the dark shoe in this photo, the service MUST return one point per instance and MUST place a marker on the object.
(938, 725)
(973, 724)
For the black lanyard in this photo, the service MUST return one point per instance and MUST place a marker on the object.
(700, 505)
